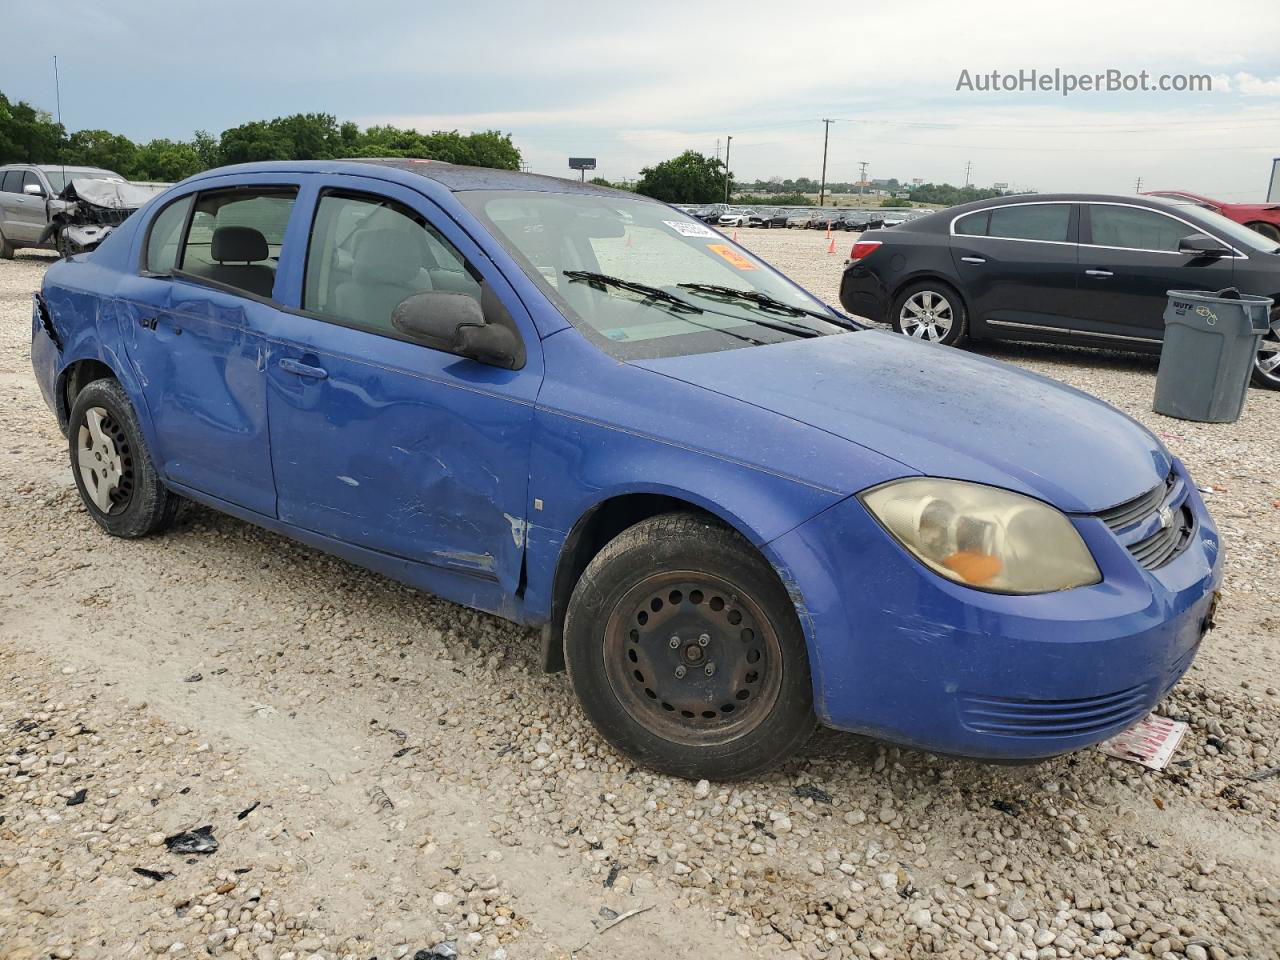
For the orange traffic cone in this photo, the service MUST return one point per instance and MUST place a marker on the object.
(831, 247)
(735, 236)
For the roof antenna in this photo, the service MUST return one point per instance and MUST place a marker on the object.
(62, 150)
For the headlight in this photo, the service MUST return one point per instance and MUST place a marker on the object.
(984, 537)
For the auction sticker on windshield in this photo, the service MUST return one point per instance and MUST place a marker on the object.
(687, 229)
(732, 255)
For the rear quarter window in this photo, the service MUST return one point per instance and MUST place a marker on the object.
(165, 239)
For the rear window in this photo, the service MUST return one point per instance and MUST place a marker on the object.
(1031, 221)
(236, 235)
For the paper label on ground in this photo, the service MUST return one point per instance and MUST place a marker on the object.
(1150, 742)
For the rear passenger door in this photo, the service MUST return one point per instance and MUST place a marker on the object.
(193, 319)
(382, 442)
(1017, 266)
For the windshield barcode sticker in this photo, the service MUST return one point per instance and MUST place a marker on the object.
(732, 255)
(687, 228)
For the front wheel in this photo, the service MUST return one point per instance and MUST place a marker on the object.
(1266, 365)
(686, 652)
(930, 311)
(113, 471)
(1268, 230)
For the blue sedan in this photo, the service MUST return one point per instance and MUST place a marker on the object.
(732, 512)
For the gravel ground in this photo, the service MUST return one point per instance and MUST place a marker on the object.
(385, 772)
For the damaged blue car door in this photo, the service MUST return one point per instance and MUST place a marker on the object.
(380, 441)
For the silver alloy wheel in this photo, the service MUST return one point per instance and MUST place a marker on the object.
(1267, 361)
(926, 315)
(102, 468)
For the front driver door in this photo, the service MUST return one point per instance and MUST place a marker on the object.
(1129, 261)
(384, 443)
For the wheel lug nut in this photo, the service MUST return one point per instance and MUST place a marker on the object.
(709, 669)
(703, 640)
(680, 671)
(674, 642)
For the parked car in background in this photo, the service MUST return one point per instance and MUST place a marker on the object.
(853, 220)
(711, 213)
(1090, 270)
(1262, 217)
(732, 511)
(800, 218)
(768, 218)
(734, 217)
(34, 212)
(822, 218)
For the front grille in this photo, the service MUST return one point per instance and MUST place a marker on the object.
(1131, 511)
(1054, 718)
(1158, 548)
(1166, 543)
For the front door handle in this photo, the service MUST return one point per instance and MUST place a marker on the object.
(974, 259)
(303, 370)
(1098, 273)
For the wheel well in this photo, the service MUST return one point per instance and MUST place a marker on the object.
(926, 278)
(590, 534)
(74, 379)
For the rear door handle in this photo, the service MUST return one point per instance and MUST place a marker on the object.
(974, 259)
(303, 370)
(1098, 273)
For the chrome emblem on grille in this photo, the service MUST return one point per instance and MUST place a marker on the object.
(1166, 518)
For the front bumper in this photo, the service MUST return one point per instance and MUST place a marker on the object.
(899, 653)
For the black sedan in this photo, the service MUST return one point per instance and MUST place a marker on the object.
(768, 218)
(1080, 269)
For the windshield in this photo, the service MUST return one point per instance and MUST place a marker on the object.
(1237, 234)
(58, 179)
(642, 280)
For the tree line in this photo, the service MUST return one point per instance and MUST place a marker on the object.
(30, 135)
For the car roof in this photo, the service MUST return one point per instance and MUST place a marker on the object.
(452, 176)
(58, 168)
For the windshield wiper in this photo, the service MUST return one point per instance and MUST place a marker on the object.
(652, 293)
(657, 293)
(763, 299)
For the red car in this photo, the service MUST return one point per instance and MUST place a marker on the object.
(1263, 217)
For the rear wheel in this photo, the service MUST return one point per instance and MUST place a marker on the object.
(1268, 230)
(686, 652)
(930, 311)
(112, 468)
(1266, 365)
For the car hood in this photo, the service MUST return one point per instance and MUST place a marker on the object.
(942, 412)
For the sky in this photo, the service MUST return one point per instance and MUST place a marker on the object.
(633, 84)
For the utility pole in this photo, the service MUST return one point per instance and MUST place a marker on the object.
(862, 177)
(968, 165)
(727, 143)
(822, 189)
(1137, 187)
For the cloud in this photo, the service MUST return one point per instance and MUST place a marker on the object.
(1252, 86)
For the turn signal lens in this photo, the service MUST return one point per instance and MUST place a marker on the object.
(984, 537)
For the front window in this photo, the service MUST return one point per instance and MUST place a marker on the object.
(684, 288)
(1134, 228)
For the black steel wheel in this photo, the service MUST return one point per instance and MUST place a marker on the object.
(686, 652)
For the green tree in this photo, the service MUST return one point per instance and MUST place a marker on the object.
(688, 178)
(28, 135)
(258, 140)
(207, 148)
(101, 148)
(168, 161)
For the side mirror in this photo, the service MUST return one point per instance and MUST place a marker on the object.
(33, 190)
(455, 323)
(1202, 245)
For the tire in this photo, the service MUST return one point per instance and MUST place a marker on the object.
(945, 324)
(733, 696)
(119, 486)
(1268, 230)
(6, 248)
(1266, 365)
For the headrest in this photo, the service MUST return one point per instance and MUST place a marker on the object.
(238, 245)
(389, 255)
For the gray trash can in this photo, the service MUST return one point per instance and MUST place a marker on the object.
(1210, 340)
